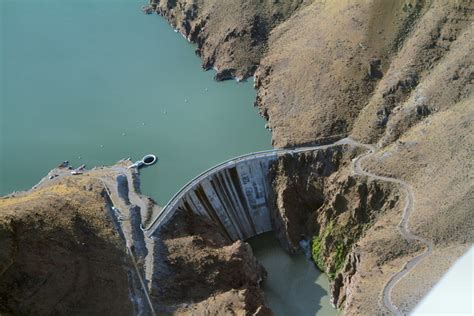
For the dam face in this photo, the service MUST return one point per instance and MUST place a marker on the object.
(237, 198)
(236, 195)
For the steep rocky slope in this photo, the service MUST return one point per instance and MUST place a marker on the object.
(199, 271)
(60, 253)
(398, 74)
(394, 73)
(73, 245)
(231, 36)
(329, 68)
(370, 68)
(320, 199)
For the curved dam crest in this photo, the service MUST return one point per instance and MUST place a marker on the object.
(235, 194)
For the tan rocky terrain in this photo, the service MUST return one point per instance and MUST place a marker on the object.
(397, 74)
(65, 250)
(206, 273)
(435, 157)
(231, 35)
(60, 253)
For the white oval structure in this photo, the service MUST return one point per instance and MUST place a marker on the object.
(149, 159)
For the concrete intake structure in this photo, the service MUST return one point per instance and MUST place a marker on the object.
(236, 194)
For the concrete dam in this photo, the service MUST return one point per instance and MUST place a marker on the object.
(236, 194)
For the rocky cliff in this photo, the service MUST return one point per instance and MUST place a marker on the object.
(60, 252)
(394, 73)
(318, 198)
(73, 245)
(199, 271)
(398, 74)
(231, 36)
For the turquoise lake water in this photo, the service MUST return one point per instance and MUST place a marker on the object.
(80, 74)
(95, 81)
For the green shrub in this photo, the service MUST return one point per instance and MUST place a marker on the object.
(338, 259)
(338, 255)
(316, 252)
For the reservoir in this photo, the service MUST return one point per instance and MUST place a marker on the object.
(96, 81)
(93, 82)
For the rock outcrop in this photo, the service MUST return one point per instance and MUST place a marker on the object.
(231, 36)
(73, 245)
(399, 74)
(205, 272)
(60, 252)
(319, 199)
(387, 73)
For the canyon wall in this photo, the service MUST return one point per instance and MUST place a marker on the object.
(318, 198)
(395, 73)
(398, 74)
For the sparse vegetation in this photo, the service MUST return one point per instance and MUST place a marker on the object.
(338, 248)
(316, 249)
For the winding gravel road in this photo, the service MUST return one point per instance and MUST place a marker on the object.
(402, 226)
